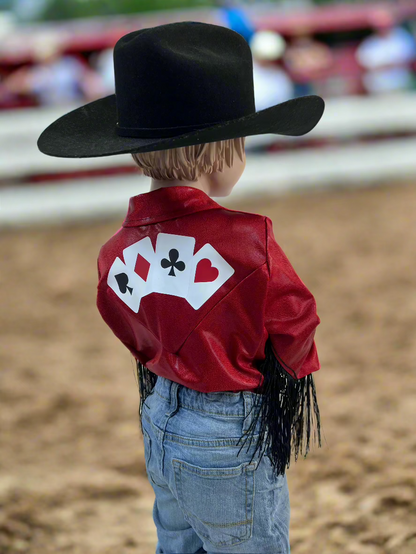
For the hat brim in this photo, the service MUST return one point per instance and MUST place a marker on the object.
(90, 130)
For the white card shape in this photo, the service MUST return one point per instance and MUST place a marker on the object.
(122, 277)
(200, 292)
(143, 247)
(172, 279)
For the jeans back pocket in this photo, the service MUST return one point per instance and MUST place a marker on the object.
(217, 502)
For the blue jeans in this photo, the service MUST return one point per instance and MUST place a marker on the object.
(208, 500)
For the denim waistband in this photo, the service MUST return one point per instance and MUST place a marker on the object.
(237, 404)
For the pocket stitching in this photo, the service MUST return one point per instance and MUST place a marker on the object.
(178, 465)
(149, 448)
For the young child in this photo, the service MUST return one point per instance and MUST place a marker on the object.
(219, 323)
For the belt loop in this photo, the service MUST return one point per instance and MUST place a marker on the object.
(173, 406)
(174, 397)
(251, 421)
(248, 414)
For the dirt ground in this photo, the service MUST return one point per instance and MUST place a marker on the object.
(72, 473)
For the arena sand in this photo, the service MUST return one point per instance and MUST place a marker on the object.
(72, 468)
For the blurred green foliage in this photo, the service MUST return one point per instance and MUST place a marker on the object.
(69, 9)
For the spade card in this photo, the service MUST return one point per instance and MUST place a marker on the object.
(170, 272)
(209, 271)
(127, 285)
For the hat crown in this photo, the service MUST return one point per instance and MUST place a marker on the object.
(182, 75)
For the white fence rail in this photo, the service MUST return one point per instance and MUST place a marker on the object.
(343, 118)
(352, 165)
(349, 164)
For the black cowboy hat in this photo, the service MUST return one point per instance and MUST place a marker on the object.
(176, 85)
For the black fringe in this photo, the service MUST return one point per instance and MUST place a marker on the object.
(285, 411)
(147, 380)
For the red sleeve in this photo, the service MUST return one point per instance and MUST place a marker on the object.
(290, 313)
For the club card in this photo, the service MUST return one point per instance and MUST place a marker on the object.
(169, 273)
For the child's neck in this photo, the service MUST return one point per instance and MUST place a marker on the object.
(201, 183)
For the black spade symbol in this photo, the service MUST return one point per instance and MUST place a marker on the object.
(172, 262)
(122, 280)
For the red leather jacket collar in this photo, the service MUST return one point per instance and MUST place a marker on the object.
(167, 203)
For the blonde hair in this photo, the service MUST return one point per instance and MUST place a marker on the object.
(188, 162)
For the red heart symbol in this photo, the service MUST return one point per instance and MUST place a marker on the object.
(142, 267)
(205, 272)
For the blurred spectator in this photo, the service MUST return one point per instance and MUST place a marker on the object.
(54, 78)
(272, 84)
(235, 18)
(387, 56)
(306, 59)
(104, 65)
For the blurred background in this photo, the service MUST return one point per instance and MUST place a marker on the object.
(343, 202)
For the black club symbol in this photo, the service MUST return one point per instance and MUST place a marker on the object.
(172, 262)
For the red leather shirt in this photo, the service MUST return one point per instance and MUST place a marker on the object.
(202, 317)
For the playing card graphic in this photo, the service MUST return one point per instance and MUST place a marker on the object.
(128, 286)
(170, 272)
(171, 269)
(140, 256)
(209, 271)
(129, 280)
